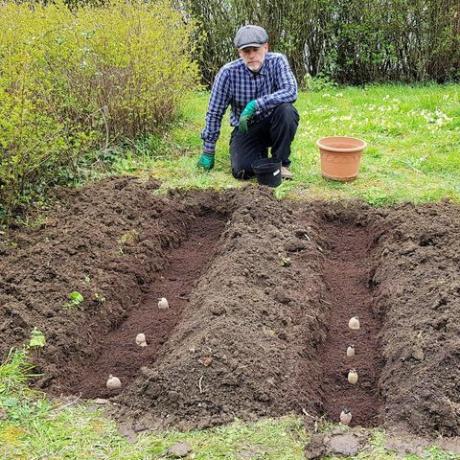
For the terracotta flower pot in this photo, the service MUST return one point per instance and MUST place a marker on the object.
(340, 157)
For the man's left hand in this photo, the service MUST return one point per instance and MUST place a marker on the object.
(248, 112)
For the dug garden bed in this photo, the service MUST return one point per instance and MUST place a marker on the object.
(260, 292)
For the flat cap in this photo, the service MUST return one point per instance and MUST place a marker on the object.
(250, 35)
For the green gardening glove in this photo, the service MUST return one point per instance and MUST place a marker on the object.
(248, 112)
(206, 161)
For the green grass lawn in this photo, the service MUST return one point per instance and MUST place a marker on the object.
(413, 136)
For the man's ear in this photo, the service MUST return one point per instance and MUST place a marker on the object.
(266, 46)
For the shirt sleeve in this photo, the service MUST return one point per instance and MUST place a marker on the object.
(218, 103)
(286, 83)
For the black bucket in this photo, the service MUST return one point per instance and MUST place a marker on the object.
(267, 171)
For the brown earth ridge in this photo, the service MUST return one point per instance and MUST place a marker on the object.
(260, 293)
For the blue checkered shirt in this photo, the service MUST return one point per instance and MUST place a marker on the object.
(236, 85)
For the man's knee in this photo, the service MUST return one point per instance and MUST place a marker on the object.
(286, 112)
(242, 173)
(241, 162)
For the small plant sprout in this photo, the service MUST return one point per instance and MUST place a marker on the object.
(353, 376)
(345, 417)
(350, 351)
(163, 303)
(113, 383)
(37, 339)
(140, 340)
(354, 323)
(75, 299)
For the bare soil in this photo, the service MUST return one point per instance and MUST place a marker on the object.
(260, 295)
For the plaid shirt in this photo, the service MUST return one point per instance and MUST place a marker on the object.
(235, 84)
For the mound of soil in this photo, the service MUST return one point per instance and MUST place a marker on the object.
(246, 346)
(260, 293)
(417, 293)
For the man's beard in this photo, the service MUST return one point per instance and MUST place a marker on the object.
(255, 67)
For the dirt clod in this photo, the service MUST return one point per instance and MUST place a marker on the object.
(336, 443)
(344, 444)
(179, 450)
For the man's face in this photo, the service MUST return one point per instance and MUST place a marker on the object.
(253, 56)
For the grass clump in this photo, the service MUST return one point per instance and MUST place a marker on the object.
(14, 374)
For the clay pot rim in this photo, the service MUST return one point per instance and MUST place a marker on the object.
(358, 148)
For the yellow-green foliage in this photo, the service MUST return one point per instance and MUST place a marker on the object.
(70, 80)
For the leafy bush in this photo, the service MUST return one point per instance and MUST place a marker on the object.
(317, 84)
(75, 80)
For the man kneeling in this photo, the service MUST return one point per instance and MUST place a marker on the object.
(260, 87)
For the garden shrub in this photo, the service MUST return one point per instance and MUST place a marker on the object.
(76, 80)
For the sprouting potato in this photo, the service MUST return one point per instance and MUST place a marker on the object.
(345, 417)
(163, 303)
(351, 351)
(353, 376)
(354, 323)
(140, 340)
(113, 383)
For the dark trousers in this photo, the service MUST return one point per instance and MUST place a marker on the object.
(276, 131)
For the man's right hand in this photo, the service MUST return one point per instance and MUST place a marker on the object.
(248, 112)
(206, 161)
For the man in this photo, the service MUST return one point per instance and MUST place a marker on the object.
(260, 87)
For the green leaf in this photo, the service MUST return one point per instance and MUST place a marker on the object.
(37, 338)
(76, 298)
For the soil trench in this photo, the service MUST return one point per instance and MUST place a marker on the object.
(118, 354)
(346, 272)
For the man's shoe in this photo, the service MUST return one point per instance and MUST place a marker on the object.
(285, 173)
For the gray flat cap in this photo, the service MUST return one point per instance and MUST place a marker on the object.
(250, 36)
